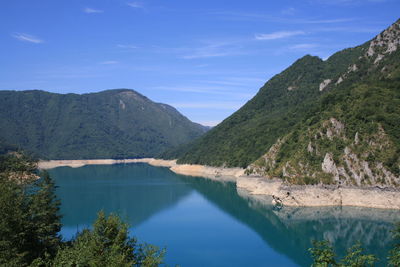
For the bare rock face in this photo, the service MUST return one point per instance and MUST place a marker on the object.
(324, 84)
(340, 80)
(385, 43)
(352, 165)
(329, 166)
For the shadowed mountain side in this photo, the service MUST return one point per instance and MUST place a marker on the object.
(293, 237)
(110, 187)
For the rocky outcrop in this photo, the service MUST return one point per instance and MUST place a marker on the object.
(385, 43)
(324, 84)
(343, 160)
(283, 194)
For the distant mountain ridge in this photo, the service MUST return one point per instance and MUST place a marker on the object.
(334, 122)
(118, 123)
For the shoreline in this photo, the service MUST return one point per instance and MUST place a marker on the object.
(274, 191)
(215, 173)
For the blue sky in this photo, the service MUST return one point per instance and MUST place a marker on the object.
(206, 58)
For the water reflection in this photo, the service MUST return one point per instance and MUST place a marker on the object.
(138, 192)
(290, 230)
(134, 191)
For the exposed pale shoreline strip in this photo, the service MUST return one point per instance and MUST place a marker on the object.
(289, 195)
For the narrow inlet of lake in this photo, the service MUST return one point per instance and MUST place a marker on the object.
(207, 223)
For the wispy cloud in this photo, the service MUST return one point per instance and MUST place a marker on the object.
(277, 35)
(236, 81)
(325, 21)
(246, 16)
(288, 11)
(349, 29)
(210, 123)
(193, 89)
(213, 49)
(124, 46)
(135, 4)
(347, 2)
(205, 53)
(209, 105)
(92, 10)
(208, 90)
(27, 38)
(109, 62)
(302, 46)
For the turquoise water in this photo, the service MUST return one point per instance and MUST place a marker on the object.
(207, 223)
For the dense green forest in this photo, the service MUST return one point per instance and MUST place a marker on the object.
(110, 124)
(358, 87)
(30, 226)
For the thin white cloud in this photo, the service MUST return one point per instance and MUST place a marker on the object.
(347, 2)
(212, 49)
(288, 11)
(326, 21)
(209, 105)
(349, 29)
(193, 89)
(202, 65)
(302, 46)
(235, 81)
(27, 38)
(135, 4)
(109, 62)
(277, 35)
(123, 46)
(92, 10)
(205, 54)
(207, 89)
(210, 123)
(245, 16)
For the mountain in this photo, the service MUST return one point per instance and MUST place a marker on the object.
(110, 124)
(333, 121)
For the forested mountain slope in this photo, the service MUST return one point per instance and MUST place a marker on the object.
(110, 124)
(334, 120)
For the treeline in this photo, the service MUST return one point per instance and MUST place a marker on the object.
(30, 225)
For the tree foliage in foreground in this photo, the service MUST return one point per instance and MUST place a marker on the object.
(30, 226)
(30, 220)
(394, 254)
(108, 244)
(324, 256)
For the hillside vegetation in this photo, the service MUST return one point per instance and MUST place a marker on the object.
(318, 121)
(110, 124)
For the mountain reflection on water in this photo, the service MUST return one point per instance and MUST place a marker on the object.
(138, 192)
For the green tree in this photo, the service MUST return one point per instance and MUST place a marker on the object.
(394, 254)
(14, 241)
(108, 244)
(356, 258)
(45, 219)
(30, 220)
(323, 256)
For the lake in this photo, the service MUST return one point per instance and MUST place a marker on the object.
(208, 223)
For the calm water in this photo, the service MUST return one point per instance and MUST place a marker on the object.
(207, 223)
